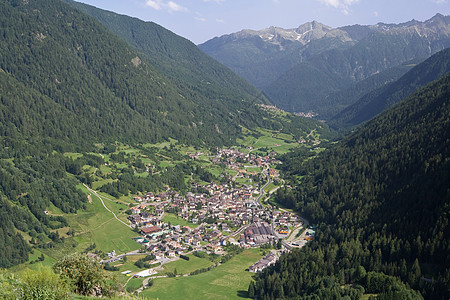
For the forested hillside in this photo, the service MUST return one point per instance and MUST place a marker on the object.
(176, 57)
(382, 98)
(67, 84)
(340, 100)
(381, 199)
(113, 91)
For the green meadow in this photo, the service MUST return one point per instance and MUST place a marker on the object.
(270, 187)
(274, 141)
(175, 220)
(227, 281)
(185, 267)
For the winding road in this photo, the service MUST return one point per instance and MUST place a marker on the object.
(94, 192)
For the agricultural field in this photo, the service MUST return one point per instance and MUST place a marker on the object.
(269, 141)
(227, 281)
(185, 267)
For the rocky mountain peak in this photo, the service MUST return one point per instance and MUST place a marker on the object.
(303, 34)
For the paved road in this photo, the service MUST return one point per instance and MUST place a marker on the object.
(262, 193)
(236, 232)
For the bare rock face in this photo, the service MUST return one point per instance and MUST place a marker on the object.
(302, 35)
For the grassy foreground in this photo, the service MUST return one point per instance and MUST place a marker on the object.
(228, 281)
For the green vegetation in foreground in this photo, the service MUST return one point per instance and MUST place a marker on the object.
(228, 281)
(134, 284)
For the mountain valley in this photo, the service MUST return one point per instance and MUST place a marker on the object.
(305, 163)
(302, 67)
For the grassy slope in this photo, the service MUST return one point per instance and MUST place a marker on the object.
(228, 281)
(186, 267)
(175, 220)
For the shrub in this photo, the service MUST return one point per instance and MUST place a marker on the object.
(85, 273)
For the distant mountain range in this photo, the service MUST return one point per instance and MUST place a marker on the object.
(298, 69)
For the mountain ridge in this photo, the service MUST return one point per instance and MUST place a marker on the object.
(333, 63)
(86, 80)
(319, 30)
(173, 55)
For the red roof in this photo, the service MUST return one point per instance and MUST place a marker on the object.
(149, 230)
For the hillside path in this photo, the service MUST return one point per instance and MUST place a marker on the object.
(94, 192)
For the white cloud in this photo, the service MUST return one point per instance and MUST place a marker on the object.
(175, 7)
(170, 6)
(439, 1)
(217, 1)
(333, 3)
(155, 4)
(220, 21)
(200, 19)
(343, 5)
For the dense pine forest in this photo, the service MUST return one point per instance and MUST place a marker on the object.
(381, 199)
(378, 100)
(95, 87)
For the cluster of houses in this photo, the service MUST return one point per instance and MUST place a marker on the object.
(170, 241)
(219, 212)
(234, 158)
(268, 260)
(309, 114)
(272, 108)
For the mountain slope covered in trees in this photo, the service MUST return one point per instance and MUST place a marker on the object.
(113, 91)
(380, 99)
(381, 199)
(337, 101)
(175, 57)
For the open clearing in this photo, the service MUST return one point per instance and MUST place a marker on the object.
(228, 281)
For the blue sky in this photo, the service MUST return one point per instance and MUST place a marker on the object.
(201, 20)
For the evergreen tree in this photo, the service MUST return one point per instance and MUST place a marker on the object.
(251, 290)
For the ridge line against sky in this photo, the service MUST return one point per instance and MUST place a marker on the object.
(201, 20)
